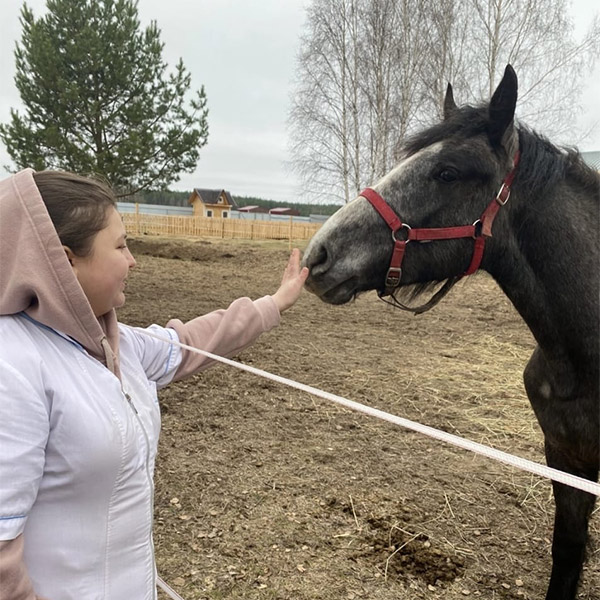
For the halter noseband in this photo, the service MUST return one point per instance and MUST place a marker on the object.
(479, 231)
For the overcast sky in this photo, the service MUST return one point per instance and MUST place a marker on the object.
(244, 53)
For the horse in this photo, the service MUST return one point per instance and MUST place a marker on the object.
(438, 216)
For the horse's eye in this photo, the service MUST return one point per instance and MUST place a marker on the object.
(448, 175)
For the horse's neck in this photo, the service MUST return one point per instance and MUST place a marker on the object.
(547, 264)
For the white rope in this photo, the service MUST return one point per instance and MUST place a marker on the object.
(167, 589)
(515, 461)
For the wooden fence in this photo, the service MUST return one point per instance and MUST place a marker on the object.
(138, 224)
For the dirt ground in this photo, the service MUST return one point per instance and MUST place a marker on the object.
(265, 492)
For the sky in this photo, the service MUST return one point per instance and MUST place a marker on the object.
(244, 53)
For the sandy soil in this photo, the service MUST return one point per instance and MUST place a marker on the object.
(265, 492)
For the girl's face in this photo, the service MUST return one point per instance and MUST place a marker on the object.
(103, 272)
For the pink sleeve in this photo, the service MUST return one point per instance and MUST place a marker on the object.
(223, 332)
(14, 581)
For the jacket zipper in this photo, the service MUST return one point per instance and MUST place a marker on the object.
(151, 484)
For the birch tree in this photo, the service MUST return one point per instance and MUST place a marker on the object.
(536, 38)
(372, 71)
(324, 114)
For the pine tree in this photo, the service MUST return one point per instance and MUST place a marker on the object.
(99, 99)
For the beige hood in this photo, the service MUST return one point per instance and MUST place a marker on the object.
(37, 278)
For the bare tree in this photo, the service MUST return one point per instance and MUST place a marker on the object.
(536, 37)
(358, 85)
(324, 110)
(371, 71)
(392, 83)
(448, 54)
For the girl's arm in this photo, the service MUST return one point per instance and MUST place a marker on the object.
(226, 332)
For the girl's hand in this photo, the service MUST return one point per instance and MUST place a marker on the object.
(292, 282)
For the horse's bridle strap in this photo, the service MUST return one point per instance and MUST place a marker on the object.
(383, 208)
(479, 231)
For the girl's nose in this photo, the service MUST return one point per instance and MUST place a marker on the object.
(132, 262)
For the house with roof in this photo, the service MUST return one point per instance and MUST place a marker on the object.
(252, 208)
(284, 211)
(212, 203)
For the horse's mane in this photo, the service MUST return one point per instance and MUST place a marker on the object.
(542, 165)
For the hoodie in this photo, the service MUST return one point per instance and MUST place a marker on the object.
(37, 278)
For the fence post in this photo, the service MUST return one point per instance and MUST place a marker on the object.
(291, 225)
(137, 219)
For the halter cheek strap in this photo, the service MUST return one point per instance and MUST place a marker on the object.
(480, 230)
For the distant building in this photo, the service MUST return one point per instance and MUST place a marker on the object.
(285, 211)
(592, 159)
(252, 209)
(212, 203)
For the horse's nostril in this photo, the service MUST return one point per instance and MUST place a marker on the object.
(317, 260)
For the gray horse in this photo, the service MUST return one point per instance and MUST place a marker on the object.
(442, 204)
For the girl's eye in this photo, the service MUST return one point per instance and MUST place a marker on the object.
(448, 175)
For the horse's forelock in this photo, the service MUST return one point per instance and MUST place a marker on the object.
(467, 122)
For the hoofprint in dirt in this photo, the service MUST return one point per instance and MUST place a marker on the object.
(265, 492)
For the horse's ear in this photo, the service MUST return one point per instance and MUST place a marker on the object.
(449, 104)
(502, 107)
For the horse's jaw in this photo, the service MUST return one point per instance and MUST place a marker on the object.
(337, 293)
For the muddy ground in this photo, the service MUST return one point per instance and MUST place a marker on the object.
(265, 492)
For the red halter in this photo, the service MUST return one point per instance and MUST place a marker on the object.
(479, 231)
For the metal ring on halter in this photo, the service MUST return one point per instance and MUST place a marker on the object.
(404, 226)
(478, 227)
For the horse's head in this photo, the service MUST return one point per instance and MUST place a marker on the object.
(447, 176)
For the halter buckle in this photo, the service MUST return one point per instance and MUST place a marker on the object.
(393, 277)
(503, 194)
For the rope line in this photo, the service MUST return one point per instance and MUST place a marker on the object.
(504, 457)
(167, 589)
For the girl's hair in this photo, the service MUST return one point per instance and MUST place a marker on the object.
(77, 206)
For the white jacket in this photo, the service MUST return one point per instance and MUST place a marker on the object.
(79, 415)
(78, 455)
(77, 448)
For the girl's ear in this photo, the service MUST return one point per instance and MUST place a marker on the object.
(70, 255)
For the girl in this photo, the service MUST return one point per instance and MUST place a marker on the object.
(79, 414)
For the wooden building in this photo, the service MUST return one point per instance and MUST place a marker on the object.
(212, 203)
(285, 211)
(252, 208)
